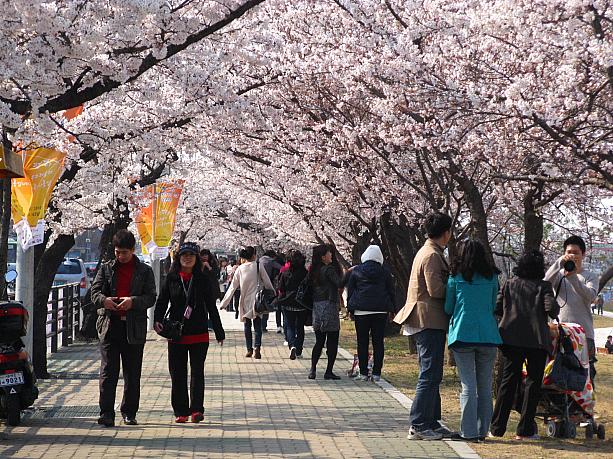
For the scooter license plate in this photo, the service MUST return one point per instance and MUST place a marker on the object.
(11, 379)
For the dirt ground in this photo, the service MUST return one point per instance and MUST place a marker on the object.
(401, 369)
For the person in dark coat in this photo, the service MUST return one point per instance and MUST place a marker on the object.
(327, 279)
(192, 295)
(523, 306)
(371, 298)
(123, 291)
(295, 313)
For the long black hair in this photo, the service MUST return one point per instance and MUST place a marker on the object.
(318, 252)
(471, 260)
(175, 267)
(296, 261)
(212, 258)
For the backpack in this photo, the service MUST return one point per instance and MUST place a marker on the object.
(304, 292)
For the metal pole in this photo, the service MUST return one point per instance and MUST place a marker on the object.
(155, 261)
(24, 288)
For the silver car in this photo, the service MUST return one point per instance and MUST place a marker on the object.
(72, 270)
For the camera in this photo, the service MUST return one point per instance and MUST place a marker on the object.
(569, 266)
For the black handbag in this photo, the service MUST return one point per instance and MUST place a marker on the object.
(304, 293)
(567, 372)
(264, 297)
(173, 329)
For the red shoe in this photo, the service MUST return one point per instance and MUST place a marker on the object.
(197, 416)
(181, 419)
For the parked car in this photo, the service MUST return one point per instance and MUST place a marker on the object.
(72, 270)
(90, 267)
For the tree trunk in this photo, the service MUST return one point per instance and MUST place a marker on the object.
(533, 223)
(43, 281)
(5, 220)
(121, 220)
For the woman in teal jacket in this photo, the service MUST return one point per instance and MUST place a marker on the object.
(473, 335)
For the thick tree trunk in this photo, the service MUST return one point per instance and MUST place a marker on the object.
(43, 281)
(120, 221)
(533, 223)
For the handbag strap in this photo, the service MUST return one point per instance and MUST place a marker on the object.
(257, 270)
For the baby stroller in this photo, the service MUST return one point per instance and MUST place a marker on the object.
(567, 400)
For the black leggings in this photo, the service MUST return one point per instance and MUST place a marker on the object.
(182, 403)
(331, 341)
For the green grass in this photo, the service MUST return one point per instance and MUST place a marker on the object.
(401, 369)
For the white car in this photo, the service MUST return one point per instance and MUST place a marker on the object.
(72, 270)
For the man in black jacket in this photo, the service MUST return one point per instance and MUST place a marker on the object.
(123, 291)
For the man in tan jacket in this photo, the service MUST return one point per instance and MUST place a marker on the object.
(423, 317)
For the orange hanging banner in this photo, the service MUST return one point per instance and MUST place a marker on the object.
(30, 195)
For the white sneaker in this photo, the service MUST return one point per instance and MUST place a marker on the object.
(423, 435)
(360, 377)
(285, 343)
(279, 329)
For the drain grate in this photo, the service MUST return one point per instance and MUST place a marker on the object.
(74, 375)
(86, 411)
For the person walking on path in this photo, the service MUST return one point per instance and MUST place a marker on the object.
(424, 318)
(246, 278)
(272, 267)
(327, 278)
(193, 302)
(472, 290)
(295, 313)
(370, 300)
(575, 290)
(123, 291)
(524, 303)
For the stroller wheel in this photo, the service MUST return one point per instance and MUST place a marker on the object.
(600, 431)
(589, 431)
(571, 430)
(552, 429)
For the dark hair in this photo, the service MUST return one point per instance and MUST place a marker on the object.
(296, 261)
(212, 258)
(471, 260)
(175, 267)
(575, 240)
(270, 253)
(247, 253)
(318, 252)
(124, 239)
(530, 265)
(436, 224)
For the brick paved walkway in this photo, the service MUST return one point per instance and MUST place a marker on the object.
(264, 408)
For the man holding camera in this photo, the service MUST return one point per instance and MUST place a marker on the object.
(575, 289)
(123, 291)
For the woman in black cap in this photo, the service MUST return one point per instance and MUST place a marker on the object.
(192, 297)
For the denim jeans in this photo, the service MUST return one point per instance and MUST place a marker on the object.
(475, 365)
(294, 320)
(257, 326)
(426, 407)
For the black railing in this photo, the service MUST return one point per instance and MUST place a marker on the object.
(63, 315)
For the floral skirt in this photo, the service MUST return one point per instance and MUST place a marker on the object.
(325, 316)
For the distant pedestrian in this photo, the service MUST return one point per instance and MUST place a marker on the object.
(192, 297)
(371, 299)
(327, 278)
(123, 291)
(473, 337)
(246, 278)
(295, 313)
(272, 267)
(599, 304)
(523, 306)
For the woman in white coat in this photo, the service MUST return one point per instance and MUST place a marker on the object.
(245, 278)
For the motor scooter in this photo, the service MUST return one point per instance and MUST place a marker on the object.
(17, 380)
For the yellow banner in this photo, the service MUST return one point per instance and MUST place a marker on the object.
(30, 195)
(168, 196)
(155, 229)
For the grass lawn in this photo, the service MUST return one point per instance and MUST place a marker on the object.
(401, 369)
(602, 321)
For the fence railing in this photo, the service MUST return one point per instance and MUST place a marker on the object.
(63, 315)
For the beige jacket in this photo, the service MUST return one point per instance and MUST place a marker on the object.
(426, 294)
(245, 278)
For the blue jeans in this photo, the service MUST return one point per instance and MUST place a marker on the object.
(475, 365)
(294, 320)
(257, 326)
(426, 407)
